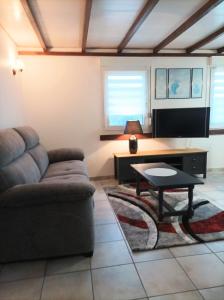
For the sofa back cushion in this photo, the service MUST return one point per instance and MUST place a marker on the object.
(22, 159)
(23, 170)
(40, 156)
(12, 146)
(29, 135)
(33, 147)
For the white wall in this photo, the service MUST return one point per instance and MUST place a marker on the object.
(11, 110)
(63, 100)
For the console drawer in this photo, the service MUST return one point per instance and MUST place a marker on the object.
(194, 164)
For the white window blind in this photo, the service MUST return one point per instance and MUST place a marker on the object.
(125, 96)
(217, 98)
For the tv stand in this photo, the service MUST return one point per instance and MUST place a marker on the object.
(189, 160)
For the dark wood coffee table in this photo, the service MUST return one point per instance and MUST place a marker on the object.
(162, 183)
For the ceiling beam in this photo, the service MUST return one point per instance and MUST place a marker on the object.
(204, 10)
(66, 53)
(34, 23)
(220, 50)
(148, 7)
(88, 8)
(206, 40)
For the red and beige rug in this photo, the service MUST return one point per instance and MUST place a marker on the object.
(138, 219)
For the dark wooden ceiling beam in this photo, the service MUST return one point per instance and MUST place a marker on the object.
(206, 40)
(65, 53)
(34, 23)
(88, 8)
(148, 7)
(204, 10)
(220, 50)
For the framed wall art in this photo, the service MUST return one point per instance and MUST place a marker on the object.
(161, 83)
(197, 83)
(179, 83)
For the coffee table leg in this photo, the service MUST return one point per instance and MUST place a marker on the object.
(160, 198)
(138, 181)
(190, 201)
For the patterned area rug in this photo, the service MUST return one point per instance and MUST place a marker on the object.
(139, 221)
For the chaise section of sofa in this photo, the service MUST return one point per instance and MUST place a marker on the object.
(46, 199)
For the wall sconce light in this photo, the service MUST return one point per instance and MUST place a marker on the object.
(18, 67)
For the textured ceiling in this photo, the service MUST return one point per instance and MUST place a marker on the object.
(61, 24)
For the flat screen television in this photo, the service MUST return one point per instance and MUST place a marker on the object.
(181, 122)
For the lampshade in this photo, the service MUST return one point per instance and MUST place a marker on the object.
(133, 127)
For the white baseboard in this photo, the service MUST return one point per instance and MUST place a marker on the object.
(215, 169)
(102, 177)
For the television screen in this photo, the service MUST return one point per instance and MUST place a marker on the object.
(181, 122)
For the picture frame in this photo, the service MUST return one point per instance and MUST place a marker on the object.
(161, 80)
(197, 83)
(179, 83)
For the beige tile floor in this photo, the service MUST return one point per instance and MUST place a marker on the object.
(193, 272)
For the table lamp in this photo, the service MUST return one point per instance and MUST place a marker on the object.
(133, 127)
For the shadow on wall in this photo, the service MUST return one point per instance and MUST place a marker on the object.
(108, 164)
(99, 157)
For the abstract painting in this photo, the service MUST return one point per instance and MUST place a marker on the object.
(179, 83)
(161, 83)
(197, 83)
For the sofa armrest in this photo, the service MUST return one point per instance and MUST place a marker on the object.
(28, 195)
(65, 154)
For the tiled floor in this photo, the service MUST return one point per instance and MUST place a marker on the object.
(193, 272)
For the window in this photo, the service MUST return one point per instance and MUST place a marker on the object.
(217, 98)
(125, 98)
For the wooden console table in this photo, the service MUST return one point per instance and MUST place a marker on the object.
(189, 160)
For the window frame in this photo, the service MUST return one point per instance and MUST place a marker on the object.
(120, 129)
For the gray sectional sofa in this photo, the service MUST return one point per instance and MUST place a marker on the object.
(46, 199)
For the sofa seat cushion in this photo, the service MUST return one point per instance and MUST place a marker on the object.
(66, 168)
(70, 178)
